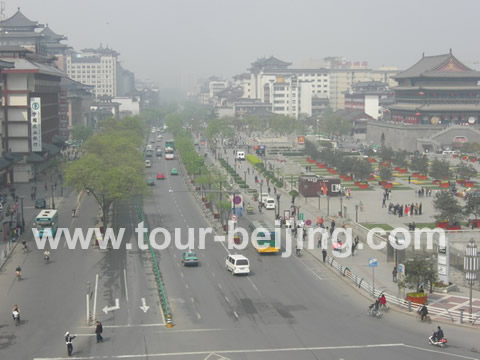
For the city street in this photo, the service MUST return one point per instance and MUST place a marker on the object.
(286, 308)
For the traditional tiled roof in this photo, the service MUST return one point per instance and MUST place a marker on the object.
(434, 107)
(353, 115)
(24, 65)
(270, 62)
(439, 66)
(49, 34)
(18, 20)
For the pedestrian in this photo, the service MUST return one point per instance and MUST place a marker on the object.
(324, 255)
(68, 341)
(98, 331)
(384, 202)
(274, 190)
(46, 186)
(394, 274)
(353, 249)
(269, 189)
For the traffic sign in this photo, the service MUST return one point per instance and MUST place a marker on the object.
(308, 222)
(372, 262)
(237, 200)
(300, 216)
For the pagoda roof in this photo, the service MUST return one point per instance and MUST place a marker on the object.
(438, 88)
(49, 34)
(270, 62)
(30, 66)
(439, 66)
(18, 21)
(435, 107)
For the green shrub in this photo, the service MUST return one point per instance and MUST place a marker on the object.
(252, 159)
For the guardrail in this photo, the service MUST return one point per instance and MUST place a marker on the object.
(435, 311)
(6, 250)
(158, 275)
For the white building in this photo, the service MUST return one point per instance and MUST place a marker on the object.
(96, 67)
(290, 96)
(129, 106)
(215, 85)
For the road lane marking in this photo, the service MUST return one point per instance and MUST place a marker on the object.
(126, 287)
(227, 299)
(94, 312)
(182, 275)
(309, 269)
(440, 352)
(198, 316)
(242, 351)
(186, 285)
(256, 289)
(192, 299)
(236, 315)
(219, 285)
(213, 274)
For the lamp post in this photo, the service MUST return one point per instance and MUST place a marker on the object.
(319, 197)
(470, 266)
(260, 199)
(341, 205)
(53, 199)
(278, 206)
(356, 213)
(317, 126)
(328, 205)
(245, 178)
(60, 177)
(23, 218)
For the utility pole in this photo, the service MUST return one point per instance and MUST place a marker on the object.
(53, 199)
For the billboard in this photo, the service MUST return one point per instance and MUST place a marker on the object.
(301, 140)
(36, 124)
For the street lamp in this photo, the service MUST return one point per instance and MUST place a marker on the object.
(23, 219)
(341, 205)
(53, 199)
(278, 206)
(319, 197)
(60, 177)
(245, 178)
(356, 213)
(328, 205)
(470, 266)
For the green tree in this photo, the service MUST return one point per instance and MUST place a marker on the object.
(465, 171)
(281, 124)
(419, 164)
(334, 124)
(385, 173)
(345, 165)
(80, 133)
(418, 271)
(294, 194)
(440, 169)
(447, 208)
(386, 153)
(362, 169)
(400, 159)
(472, 206)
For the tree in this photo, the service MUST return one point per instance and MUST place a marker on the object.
(334, 124)
(81, 133)
(465, 171)
(472, 206)
(362, 169)
(294, 194)
(281, 124)
(385, 173)
(447, 208)
(419, 164)
(386, 153)
(400, 159)
(440, 169)
(418, 271)
(345, 165)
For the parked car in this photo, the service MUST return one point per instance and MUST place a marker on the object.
(40, 204)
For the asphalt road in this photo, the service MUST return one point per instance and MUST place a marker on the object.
(287, 308)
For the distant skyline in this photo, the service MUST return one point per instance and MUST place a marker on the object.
(176, 42)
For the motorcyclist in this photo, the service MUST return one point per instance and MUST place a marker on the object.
(374, 307)
(438, 335)
(18, 270)
(46, 255)
(24, 246)
(382, 300)
(297, 250)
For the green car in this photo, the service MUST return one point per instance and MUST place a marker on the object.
(174, 171)
(189, 259)
(150, 181)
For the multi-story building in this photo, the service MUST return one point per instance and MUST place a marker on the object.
(215, 85)
(18, 30)
(367, 97)
(437, 90)
(96, 67)
(290, 96)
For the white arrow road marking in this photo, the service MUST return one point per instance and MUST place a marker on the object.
(144, 306)
(106, 309)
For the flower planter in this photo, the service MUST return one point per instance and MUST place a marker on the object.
(388, 185)
(464, 157)
(445, 289)
(333, 172)
(403, 171)
(436, 182)
(468, 184)
(385, 164)
(396, 168)
(417, 298)
(357, 183)
(473, 159)
(415, 175)
(363, 186)
(455, 156)
(372, 160)
(444, 185)
(422, 177)
(371, 178)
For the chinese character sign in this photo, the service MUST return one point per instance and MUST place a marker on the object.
(36, 124)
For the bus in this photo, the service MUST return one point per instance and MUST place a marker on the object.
(169, 153)
(46, 222)
(170, 144)
(268, 236)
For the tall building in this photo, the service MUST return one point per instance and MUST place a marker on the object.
(437, 90)
(96, 67)
(18, 30)
(367, 97)
(54, 46)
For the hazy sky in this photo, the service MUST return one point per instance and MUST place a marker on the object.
(174, 42)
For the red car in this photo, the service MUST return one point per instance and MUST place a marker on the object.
(160, 176)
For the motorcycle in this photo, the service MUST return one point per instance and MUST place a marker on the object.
(16, 318)
(441, 343)
(249, 209)
(372, 311)
(46, 258)
(19, 274)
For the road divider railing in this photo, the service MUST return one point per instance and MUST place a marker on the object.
(158, 275)
(6, 250)
(435, 311)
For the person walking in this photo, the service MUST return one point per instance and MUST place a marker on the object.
(68, 341)
(98, 331)
(394, 274)
(324, 254)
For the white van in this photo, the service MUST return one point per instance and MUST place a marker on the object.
(237, 264)
(264, 197)
(159, 137)
(148, 163)
(270, 203)
(241, 155)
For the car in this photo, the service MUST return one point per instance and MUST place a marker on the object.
(264, 197)
(159, 152)
(150, 181)
(269, 203)
(148, 163)
(237, 264)
(40, 204)
(160, 176)
(189, 258)
(174, 171)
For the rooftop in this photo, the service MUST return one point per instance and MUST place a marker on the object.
(439, 66)
(18, 22)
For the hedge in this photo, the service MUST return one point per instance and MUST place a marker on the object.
(252, 159)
